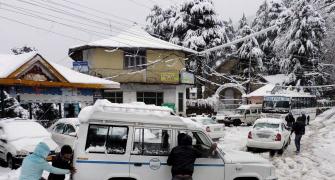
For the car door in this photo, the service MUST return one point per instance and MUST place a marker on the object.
(150, 150)
(206, 167)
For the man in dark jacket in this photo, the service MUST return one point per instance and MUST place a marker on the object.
(299, 130)
(183, 156)
(62, 160)
(289, 120)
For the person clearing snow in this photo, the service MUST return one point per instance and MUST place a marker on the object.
(34, 164)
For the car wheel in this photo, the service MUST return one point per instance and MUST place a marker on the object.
(249, 149)
(237, 122)
(272, 153)
(10, 162)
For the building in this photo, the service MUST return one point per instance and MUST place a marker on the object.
(32, 79)
(149, 69)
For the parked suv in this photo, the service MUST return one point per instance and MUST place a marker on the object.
(132, 142)
(247, 114)
(19, 137)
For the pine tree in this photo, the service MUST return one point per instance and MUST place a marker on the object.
(22, 50)
(160, 22)
(302, 31)
(261, 20)
(242, 22)
(13, 107)
(229, 28)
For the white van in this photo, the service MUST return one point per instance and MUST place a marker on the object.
(247, 114)
(133, 141)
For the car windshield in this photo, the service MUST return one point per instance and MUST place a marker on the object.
(18, 130)
(205, 121)
(266, 125)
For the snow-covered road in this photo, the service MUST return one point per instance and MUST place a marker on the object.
(315, 162)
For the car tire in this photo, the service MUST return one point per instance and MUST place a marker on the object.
(250, 149)
(10, 162)
(237, 122)
(281, 151)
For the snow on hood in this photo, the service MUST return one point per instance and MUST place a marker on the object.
(29, 144)
(233, 156)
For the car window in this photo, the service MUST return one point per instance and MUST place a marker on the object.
(106, 139)
(266, 125)
(59, 128)
(254, 111)
(69, 129)
(247, 111)
(152, 142)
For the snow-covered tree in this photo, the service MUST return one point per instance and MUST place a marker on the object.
(197, 26)
(13, 107)
(249, 52)
(22, 50)
(230, 30)
(45, 111)
(261, 20)
(301, 33)
(242, 22)
(160, 22)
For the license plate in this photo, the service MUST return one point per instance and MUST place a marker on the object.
(263, 135)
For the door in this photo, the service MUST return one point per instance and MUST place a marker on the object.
(107, 152)
(150, 150)
(211, 167)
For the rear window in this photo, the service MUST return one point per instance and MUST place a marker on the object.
(266, 125)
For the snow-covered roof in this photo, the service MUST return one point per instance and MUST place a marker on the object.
(10, 63)
(250, 106)
(276, 79)
(136, 112)
(135, 37)
(263, 91)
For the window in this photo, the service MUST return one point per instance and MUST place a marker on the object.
(106, 139)
(135, 59)
(151, 142)
(155, 98)
(180, 102)
(114, 97)
(69, 129)
(59, 128)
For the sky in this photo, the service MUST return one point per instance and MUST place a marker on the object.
(16, 22)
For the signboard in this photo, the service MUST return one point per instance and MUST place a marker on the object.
(170, 77)
(186, 78)
(276, 98)
(80, 66)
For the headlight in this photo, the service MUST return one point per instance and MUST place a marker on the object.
(22, 153)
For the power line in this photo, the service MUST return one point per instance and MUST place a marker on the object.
(36, 27)
(140, 4)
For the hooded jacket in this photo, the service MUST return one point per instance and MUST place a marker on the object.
(34, 164)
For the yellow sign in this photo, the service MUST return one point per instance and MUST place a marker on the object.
(170, 77)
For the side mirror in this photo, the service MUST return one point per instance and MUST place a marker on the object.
(73, 134)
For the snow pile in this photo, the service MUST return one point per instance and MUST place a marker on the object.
(103, 105)
(21, 129)
(263, 91)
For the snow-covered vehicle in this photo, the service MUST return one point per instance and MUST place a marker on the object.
(211, 127)
(247, 114)
(64, 131)
(112, 144)
(19, 137)
(269, 134)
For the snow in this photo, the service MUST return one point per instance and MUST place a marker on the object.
(103, 105)
(18, 129)
(9, 63)
(126, 39)
(77, 77)
(316, 160)
(263, 91)
(275, 79)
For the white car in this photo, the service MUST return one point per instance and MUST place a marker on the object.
(132, 142)
(269, 134)
(212, 128)
(19, 137)
(64, 131)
